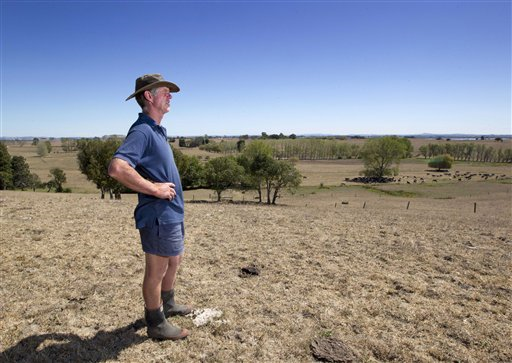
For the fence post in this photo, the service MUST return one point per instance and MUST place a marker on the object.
(364, 205)
(474, 208)
(408, 203)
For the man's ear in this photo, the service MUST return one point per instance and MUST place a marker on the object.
(148, 96)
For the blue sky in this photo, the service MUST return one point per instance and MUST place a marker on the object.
(337, 67)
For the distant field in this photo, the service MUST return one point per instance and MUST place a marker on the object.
(327, 172)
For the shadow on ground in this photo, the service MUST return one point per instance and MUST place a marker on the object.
(57, 347)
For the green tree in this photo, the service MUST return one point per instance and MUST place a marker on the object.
(280, 174)
(68, 145)
(20, 173)
(441, 162)
(407, 145)
(256, 160)
(59, 178)
(94, 156)
(5, 168)
(35, 141)
(190, 168)
(35, 181)
(48, 146)
(240, 145)
(42, 149)
(380, 154)
(222, 173)
(423, 149)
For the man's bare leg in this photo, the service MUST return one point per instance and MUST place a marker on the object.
(156, 269)
(172, 270)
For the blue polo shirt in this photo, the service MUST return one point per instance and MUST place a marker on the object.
(147, 151)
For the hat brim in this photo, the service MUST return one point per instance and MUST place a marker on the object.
(172, 88)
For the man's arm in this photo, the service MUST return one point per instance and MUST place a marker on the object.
(121, 171)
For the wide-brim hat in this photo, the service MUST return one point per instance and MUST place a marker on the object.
(150, 81)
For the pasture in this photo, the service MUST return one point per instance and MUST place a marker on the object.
(424, 284)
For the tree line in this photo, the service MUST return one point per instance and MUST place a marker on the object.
(467, 152)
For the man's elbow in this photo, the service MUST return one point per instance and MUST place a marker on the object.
(114, 168)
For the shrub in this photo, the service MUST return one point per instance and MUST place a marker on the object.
(441, 162)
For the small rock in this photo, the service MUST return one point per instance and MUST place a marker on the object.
(249, 271)
(205, 316)
(332, 350)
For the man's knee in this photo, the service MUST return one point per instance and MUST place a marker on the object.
(175, 261)
(156, 266)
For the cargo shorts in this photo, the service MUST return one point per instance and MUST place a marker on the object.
(163, 239)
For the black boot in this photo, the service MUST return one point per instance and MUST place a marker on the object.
(159, 327)
(171, 308)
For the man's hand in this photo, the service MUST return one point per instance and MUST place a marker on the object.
(165, 191)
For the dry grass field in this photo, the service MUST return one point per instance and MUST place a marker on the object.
(405, 272)
(424, 284)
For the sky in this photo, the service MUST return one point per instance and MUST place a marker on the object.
(246, 67)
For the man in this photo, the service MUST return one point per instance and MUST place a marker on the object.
(145, 164)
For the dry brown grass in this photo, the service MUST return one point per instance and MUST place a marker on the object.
(427, 284)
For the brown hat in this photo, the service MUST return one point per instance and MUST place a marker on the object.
(150, 81)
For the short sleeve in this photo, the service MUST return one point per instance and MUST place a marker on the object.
(132, 148)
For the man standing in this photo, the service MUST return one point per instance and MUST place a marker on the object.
(145, 164)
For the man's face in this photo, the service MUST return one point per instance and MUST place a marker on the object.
(162, 99)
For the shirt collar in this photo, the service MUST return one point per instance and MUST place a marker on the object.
(143, 118)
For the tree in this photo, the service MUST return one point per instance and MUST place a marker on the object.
(255, 159)
(278, 175)
(5, 168)
(222, 173)
(94, 156)
(20, 173)
(423, 149)
(68, 144)
(42, 149)
(441, 162)
(408, 148)
(48, 146)
(380, 154)
(190, 168)
(35, 141)
(59, 178)
(240, 145)
(35, 181)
